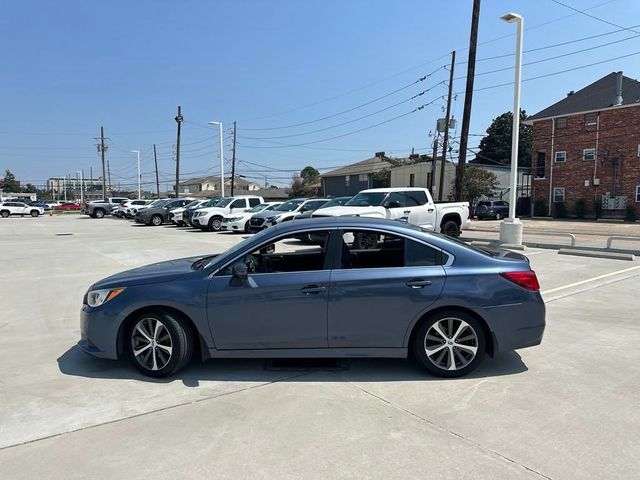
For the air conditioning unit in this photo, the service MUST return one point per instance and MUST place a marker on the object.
(596, 182)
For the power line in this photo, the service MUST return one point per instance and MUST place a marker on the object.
(583, 12)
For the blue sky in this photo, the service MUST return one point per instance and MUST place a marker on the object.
(71, 66)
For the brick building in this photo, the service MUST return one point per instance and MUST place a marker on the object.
(587, 147)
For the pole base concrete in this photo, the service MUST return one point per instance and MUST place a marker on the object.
(511, 231)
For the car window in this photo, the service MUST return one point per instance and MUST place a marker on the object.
(300, 252)
(239, 203)
(367, 199)
(396, 200)
(254, 201)
(375, 249)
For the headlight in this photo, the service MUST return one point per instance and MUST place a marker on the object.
(95, 298)
(276, 218)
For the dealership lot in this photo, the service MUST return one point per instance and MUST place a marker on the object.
(565, 409)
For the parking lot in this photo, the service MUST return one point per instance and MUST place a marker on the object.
(565, 409)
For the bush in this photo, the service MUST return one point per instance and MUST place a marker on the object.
(560, 211)
(580, 208)
(597, 208)
(630, 214)
(540, 208)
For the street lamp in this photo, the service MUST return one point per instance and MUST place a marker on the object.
(221, 158)
(81, 185)
(511, 228)
(137, 152)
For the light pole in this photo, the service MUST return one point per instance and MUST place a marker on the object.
(81, 182)
(511, 228)
(221, 158)
(137, 152)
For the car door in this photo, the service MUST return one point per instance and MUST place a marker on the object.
(419, 210)
(379, 287)
(238, 205)
(282, 303)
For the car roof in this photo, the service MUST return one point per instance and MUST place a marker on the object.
(394, 189)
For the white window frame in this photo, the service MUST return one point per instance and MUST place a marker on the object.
(639, 150)
(556, 190)
(637, 193)
(555, 157)
(347, 180)
(584, 154)
(363, 177)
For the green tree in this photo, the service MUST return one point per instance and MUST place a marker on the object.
(30, 188)
(10, 182)
(477, 183)
(309, 175)
(496, 145)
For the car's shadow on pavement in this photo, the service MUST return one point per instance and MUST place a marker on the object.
(77, 363)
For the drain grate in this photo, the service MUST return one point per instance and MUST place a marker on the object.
(297, 364)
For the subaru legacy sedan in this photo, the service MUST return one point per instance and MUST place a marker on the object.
(361, 288)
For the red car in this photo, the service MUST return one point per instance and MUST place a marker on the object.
(67, 206)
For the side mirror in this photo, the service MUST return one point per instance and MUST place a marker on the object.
(239, 274)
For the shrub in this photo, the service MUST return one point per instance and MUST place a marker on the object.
(560, 211)
(540, 208)
(597, 207)
(580, 208)
(630, 214)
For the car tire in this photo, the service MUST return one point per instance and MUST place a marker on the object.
(160, 344)
(35, 213)
(247, 227)
(446, 337)
(98, 213)
(498, 216)
(156, 220)
(215, 224)
(450, 228)
(5, 214)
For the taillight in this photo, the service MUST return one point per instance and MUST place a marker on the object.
(527, 279)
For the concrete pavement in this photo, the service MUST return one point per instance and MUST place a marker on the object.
(566, 409)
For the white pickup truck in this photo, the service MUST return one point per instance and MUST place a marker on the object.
(408, 204)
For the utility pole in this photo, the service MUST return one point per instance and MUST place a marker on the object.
(468, 97)
(155, 159)
(434, 160)
(82, 186)
(104, 172)
(179, 119)
(447, 119)
(233, 159)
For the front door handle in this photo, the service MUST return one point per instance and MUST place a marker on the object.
(430, 210)
(407, 212)
(418, 283)
(313, 289)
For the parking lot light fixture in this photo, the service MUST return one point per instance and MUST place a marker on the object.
(511, 228)
(221, 158)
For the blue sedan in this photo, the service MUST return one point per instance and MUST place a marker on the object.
(327, 287)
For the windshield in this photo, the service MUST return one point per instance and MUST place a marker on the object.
(227, 254)
(223, 202)
(192, 204)
(161, 203)
(289, 206)
(367, 199)
(336, 202)
(257, 208)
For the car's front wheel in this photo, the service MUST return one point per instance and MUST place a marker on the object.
(215, 224)
(156, 220)
(160, 344)
(450, 344)
(98, 213)
(4, 214)
(34, 213)
(450, 229)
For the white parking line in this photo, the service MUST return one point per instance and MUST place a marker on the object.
(592, 279)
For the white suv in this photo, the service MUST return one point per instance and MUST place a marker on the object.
(210, 218)
(19, 208)
(239, 222)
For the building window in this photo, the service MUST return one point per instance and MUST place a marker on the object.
(639, 149)
(363, 177)
(540, 165)
(412, 180)
(347, 180)
(637, 193)
(561, 122)
(561, 157)
(558, 195)
(589, 154)
(590, 118)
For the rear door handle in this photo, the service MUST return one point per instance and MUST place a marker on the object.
(418, 283)
(313, 289)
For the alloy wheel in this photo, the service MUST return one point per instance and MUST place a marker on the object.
(451, 344)
(216, 223)
(151, 344)
(156, 220)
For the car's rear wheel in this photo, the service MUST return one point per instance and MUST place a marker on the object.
(34, 213)
(450, 229)
(450, 344)
(160, 344)
(4, 213)
(98, 213)
(156, 220)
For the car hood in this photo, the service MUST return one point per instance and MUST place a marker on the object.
(351, 211)
(154, 273)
